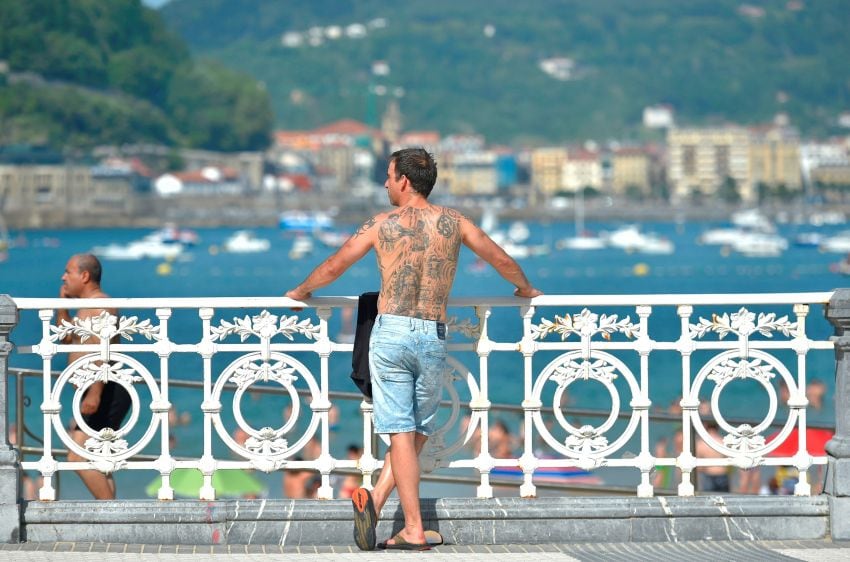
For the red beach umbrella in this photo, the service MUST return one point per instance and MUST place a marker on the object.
(815, 442)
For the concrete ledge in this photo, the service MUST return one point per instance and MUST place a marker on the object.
(460, 520)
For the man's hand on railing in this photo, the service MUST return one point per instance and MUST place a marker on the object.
(527, 293)
(297, 295)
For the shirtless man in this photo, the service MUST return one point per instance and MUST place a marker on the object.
(712, 478)
(103, 405)
(417, 248)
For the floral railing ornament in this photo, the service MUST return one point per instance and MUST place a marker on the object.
(265, 326)
(104, 326)
(465, 327)
(743, 323)
(585, 324)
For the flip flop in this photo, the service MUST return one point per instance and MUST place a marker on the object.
(433, 537)
(401, 544)
(365, 519)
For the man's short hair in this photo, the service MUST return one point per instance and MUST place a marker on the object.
(90, 263)
(418, 165)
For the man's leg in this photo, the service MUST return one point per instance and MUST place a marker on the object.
(386, 483)
(101, 486)
(405, 469)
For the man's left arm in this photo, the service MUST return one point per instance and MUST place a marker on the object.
(357, 246)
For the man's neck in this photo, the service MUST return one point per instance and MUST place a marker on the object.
(91, 293)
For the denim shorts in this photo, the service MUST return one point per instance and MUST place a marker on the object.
(407, 360)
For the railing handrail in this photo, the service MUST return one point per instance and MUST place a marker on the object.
(668, 299)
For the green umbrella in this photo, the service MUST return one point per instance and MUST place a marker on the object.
(232, 483)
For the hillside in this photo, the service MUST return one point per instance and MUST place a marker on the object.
(77, 73)
(476, 65)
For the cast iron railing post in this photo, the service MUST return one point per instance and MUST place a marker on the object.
(838, 448)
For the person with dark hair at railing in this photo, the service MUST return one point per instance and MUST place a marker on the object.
(417, 247)
(103, 404)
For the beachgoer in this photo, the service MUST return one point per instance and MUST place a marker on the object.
(104, 405)
(417, 249)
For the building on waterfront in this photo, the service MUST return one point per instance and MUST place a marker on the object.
(208, 181)
(547, 169)
(775, 157)
(469, 173)
(702, 162)
(825, 164)
(631, 171)
(339, 154)
(39, 193)
(582, 169)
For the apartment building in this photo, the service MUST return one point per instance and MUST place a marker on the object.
(775, 157)
(582, 169)
(468, 173)
(630, 170)
(701, 160)
(547, 169)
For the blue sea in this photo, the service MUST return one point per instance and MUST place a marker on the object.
(36, 262)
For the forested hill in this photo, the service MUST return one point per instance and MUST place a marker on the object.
(475, 65)
(79, 73)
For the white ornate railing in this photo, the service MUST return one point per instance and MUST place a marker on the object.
(580, 339)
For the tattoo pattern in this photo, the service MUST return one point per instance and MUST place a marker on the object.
(417, 252)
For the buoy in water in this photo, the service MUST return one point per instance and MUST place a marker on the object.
(163, 269)
(640, 269)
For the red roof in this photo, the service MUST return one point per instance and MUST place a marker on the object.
(344, 127)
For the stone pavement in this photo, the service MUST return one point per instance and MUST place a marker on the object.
(709, 551)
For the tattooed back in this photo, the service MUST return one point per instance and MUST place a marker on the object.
(417, 250)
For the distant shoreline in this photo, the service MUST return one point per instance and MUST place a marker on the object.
(261, 212)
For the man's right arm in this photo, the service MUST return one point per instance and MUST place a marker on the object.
(357, 246)
(483, 246)
(62, 314)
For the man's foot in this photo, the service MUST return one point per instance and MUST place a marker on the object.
(365, 519)
(399, 543)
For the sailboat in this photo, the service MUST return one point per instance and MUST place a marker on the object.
(583, 240)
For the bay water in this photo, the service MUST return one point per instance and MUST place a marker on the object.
(36, 262)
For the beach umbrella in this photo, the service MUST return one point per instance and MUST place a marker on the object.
(233, 483)
(815, 442)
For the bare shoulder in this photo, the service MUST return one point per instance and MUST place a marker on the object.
(452, 213)
(92, 312)
(370, 224)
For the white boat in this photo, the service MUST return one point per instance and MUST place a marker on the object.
(631, 239)
(148, 247)
(170, 234)
(655, 244)
(827, 217)
(840, 243)
(244, 241)
(721, 236)
(627, 238)
(752, 219)
(304, 221)
(758, 244)
(809, 239)
(518, 232)
(301, 246)
(331, 238)
(583, 240)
